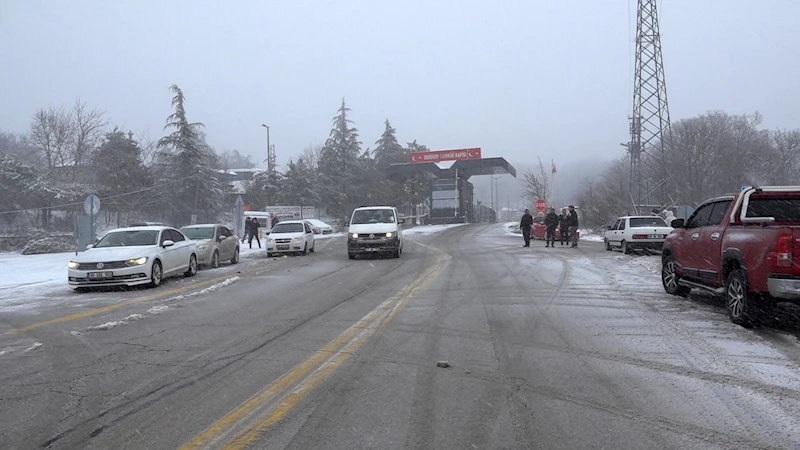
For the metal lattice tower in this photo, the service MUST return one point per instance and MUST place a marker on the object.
(649, 124)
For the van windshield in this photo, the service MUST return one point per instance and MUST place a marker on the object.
(364, 216)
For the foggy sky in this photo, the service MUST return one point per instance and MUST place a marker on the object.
(520, 79)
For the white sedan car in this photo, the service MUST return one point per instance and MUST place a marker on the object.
(134, 256)
(320, 227)
(637, 232)
(291, 236)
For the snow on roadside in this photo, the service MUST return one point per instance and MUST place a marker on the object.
(116, 323)
(24, 274)
(212, 288)
(589, 236)
(430, 229)
(512, 228)
(33, 347)
(158, 309)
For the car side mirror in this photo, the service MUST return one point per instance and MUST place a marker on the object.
(609, 227)
(401, 221)
(168, 243)
(222, 238)
(89, 246)
(677, 223)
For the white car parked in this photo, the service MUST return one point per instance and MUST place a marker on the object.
(637, 232)
(133, 256)
(320, 227)
(291, 236)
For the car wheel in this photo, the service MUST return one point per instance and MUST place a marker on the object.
(156, 274)
(192, 270)
(608, 245)
(736, 298)
(235, 258)
(305, 249)
(396, 253)
(215, 260)
(670, 279)
(269, 255)
(625, 248)
(351, 255)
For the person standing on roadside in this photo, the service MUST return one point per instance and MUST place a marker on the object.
(246, 230)
(551, 222)
(254, 232)
(573, 226)
(563, 224)
(525, 227)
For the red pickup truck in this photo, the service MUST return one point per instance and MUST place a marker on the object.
(740, 246)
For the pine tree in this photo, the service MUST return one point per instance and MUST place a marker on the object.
(388, 150)
(339, 165)
(193, 178)
(299, 188)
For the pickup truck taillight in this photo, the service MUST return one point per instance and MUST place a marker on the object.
(783, 251)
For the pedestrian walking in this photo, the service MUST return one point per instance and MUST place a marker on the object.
(246, 229)
(525, 226)
(551, 222)
(254, 233)
(563, 225)
(573, 226)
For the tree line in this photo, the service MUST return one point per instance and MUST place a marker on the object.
(70, 152)
(709, 155)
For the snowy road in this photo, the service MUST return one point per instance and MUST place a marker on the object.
(546, 348)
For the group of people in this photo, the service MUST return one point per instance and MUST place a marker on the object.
(567, 222)
(251, 227)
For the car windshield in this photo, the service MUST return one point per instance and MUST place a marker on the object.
(288, 228)
(365, 216)
(196, 233)
(644, 222)
(128, 239)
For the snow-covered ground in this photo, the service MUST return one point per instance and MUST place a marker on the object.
(430, 229)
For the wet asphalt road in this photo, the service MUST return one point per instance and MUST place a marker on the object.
(547, 348)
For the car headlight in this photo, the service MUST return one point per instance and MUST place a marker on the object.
(389, 235)
(297, 239)
(136, 262)
(202, 248)
(73, 265)
(271, 241)
(354, 235)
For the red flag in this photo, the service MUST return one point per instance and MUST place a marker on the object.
(554, 166)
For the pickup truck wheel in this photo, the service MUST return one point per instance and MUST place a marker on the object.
(608, 245)
(736, 298)
(670, 279)
(625, 248)
(351, 255)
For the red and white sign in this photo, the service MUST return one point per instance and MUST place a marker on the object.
(446, 155)
(541, 205)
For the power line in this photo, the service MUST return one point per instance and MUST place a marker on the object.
(65, 205)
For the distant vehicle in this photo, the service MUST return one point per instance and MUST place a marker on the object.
(215, 243)
(744, 246)
(320, 227)
(133, 256)
(291, 236)
(375, 229)
(631, 233)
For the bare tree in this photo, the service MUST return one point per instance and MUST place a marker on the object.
(51, 134)
(88, 128)
(536, 184)
(782, 164)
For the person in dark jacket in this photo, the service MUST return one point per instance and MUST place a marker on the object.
(551, 222)
(246, 229)
(254, 225)
(563, 224)
(573, 226)
(525, 227)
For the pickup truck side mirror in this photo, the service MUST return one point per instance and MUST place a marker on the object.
(677, 223)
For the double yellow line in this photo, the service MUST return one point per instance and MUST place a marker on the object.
(249, 421)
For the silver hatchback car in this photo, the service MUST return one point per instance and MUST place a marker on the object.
(215, 243)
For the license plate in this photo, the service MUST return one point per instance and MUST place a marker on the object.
(283, 247)
(372, 249)
(654, 236)
(100, 275)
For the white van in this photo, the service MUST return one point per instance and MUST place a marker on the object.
(375, 229)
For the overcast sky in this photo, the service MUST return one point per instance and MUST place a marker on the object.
(520, 79)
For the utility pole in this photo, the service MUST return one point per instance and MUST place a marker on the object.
(269, 152)
(650, 130)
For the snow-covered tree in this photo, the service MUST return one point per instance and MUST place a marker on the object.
(299, 188)
(339, 165)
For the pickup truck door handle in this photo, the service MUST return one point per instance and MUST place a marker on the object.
(714, 236)
(695, 236)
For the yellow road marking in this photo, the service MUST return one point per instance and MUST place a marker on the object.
(336, 352)
(111, 307)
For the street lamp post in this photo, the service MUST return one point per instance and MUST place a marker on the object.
(269, 159)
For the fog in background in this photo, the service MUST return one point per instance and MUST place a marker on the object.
(522, 79)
